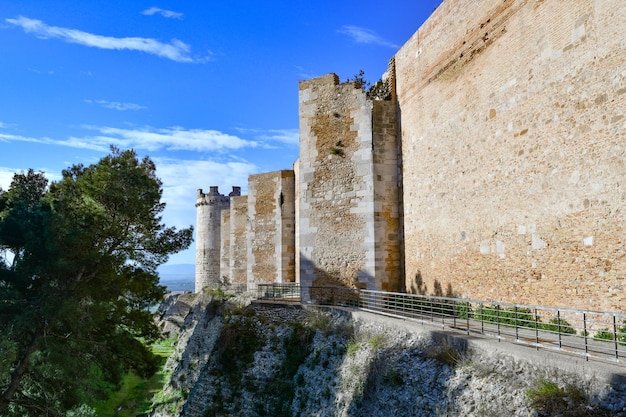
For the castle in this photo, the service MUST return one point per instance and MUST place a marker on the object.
(494, 168)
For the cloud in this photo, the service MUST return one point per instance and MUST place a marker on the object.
(175, 50)
(303, 74)
(182, 178)
(36, 71)
(366, 36)
(115, 105)
(285, 136)
(165, 13)
(174, 138)
(147, 138)
(5, 137)
(6, 176)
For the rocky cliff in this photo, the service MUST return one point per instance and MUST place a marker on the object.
(236, 358)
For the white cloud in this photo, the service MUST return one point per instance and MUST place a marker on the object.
(285, 136)
(175, 50)
(4, 137)
(6, 175)
(147, 138)
(115, 105)
(174, 138)
(303, 74)
(36, 71)
(181, 180)
(165, 13)
(366, 36)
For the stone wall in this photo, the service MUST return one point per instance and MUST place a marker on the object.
(496, 172)
(238, 240)
(513, 142)
(387, 203)
(271, 233)
(225, 247)
(348, 188)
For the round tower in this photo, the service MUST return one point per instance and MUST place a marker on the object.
(208, 214)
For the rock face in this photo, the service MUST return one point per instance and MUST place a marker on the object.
(241, 359)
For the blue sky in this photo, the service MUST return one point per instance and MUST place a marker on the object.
(207, 89)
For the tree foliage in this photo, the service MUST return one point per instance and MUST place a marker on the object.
(380, 90)
(78, 263)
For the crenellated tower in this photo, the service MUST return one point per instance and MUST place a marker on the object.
(209, 209)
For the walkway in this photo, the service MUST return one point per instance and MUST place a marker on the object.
(590, 335)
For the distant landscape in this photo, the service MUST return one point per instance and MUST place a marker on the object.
(178, 278)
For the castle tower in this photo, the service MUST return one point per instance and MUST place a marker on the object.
(349, 201)
(209, 208)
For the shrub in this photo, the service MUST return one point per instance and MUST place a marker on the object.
(604, 335)
(556, 325)
(521, 317)
(449, 355)
(463, 310)
(548, 399)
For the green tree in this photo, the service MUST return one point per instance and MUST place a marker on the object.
(78, 266)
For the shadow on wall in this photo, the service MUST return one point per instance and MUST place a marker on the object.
(418, 286)
(316, 284)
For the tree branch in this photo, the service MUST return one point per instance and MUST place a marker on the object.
(18, 373)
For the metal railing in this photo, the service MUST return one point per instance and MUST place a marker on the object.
(279, 292)
(590, 334)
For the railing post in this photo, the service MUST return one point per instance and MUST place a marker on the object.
(467, 314)
(454, 313)
(558, 320)
(516, 326)
(432, 311)
(615, 338)
(498, 319)
(585, 334)
(482, 318)
(536, 330)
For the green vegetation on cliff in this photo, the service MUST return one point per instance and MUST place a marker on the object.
(78, 274)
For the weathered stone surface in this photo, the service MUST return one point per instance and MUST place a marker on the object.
(513, 141)
(496, 171)
(271, 235)
(357, 364)
(349, 217)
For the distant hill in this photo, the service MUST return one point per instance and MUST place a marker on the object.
(177, 277)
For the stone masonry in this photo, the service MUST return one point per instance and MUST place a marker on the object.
(496, 171)
(271, 236)
(254, 241)
(209, 209)
(513, 141)
(349, 217)
(238, 240)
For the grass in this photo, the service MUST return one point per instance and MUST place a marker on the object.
(377, 341)
(133, 398)
(551, 400)
(352, 348)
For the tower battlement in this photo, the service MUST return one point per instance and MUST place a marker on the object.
(214, 196)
